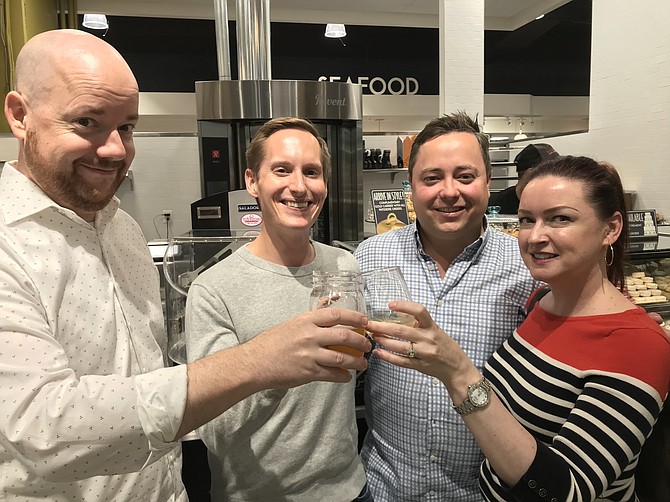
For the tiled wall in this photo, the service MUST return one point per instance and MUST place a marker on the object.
(166, 175)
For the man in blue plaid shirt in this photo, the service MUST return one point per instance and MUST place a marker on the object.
(474, 284)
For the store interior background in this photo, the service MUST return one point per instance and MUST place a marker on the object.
(624, 118)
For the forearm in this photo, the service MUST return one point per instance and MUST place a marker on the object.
(508, 446)
(217, 382)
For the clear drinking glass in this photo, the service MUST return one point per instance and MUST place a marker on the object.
(382, 286)
(339, 290)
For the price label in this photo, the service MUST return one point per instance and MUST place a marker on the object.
(642, 224)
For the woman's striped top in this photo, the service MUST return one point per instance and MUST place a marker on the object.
(589, 389)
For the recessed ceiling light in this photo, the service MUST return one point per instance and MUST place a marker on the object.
(539, 17)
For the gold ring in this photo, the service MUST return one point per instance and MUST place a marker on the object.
(410, 352)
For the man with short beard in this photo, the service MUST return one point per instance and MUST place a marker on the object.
(88, 410)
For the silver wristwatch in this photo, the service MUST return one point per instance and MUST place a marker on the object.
(479, 395)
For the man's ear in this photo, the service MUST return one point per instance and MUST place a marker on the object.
(15, 113)
(250, 181)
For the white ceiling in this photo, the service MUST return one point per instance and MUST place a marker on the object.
(500, 14)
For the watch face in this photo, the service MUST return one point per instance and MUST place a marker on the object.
(479, 396)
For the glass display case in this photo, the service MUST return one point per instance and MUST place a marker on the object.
(648, 274)
(186, 257)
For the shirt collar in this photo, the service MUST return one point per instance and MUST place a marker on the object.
(473, 250)
(22, 198)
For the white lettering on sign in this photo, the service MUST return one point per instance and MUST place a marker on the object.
(318, 100)
(378, 85)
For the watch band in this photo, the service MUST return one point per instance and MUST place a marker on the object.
(468, 406)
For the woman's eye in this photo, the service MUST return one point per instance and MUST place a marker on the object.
(524, 220)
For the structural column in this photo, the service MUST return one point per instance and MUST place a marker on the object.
(462, 57)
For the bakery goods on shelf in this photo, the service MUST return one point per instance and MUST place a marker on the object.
(644, 288)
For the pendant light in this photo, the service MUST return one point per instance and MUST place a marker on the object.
(335, 30)
(95, 22)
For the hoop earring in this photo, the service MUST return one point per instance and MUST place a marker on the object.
(609, 263)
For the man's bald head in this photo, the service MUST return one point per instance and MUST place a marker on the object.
(73, 110)
(48, 56)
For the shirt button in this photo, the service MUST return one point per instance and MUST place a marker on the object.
(542, 492)
(532, 484)
(440, 303)
(431, 493)
(554, 499)
(436, 381)
(433, 458)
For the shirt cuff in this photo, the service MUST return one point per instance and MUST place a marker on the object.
(161, 401)
(547, 478)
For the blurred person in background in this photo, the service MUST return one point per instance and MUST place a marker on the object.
(525, 161)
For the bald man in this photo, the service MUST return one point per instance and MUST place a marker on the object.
(88, 412)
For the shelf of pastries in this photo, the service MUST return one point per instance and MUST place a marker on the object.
(647, 273)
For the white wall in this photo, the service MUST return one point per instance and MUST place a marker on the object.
(630, 98)
(166, 175)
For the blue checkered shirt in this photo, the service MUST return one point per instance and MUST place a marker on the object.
(417, 447)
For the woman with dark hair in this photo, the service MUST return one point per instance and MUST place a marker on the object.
(566, 403)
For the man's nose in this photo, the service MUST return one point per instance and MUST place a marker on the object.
(297, 183)
(448, 189)
(113, 147)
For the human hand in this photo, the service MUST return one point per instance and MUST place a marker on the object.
(424, 347)
(298, 351)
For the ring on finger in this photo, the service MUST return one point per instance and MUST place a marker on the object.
(410, 352)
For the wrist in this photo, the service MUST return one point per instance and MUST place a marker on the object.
(477, 397)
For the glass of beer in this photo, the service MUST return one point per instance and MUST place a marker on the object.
(339, 290)
(382, 286)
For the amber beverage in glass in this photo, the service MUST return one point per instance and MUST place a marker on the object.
(339, 290)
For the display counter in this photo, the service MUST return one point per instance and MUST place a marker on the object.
(648, 274)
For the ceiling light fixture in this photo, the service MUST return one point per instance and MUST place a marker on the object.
(539, 17)
(334, 30)
(95, 22)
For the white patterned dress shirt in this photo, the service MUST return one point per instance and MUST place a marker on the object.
(87, 409)
(417, 447)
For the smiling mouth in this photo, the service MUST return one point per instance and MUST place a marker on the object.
(448, 210)
(543, 256)
(297, 205)
(103, 168)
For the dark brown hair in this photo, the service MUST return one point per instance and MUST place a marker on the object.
(603, 191)
(256, 151)
(454, 122)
